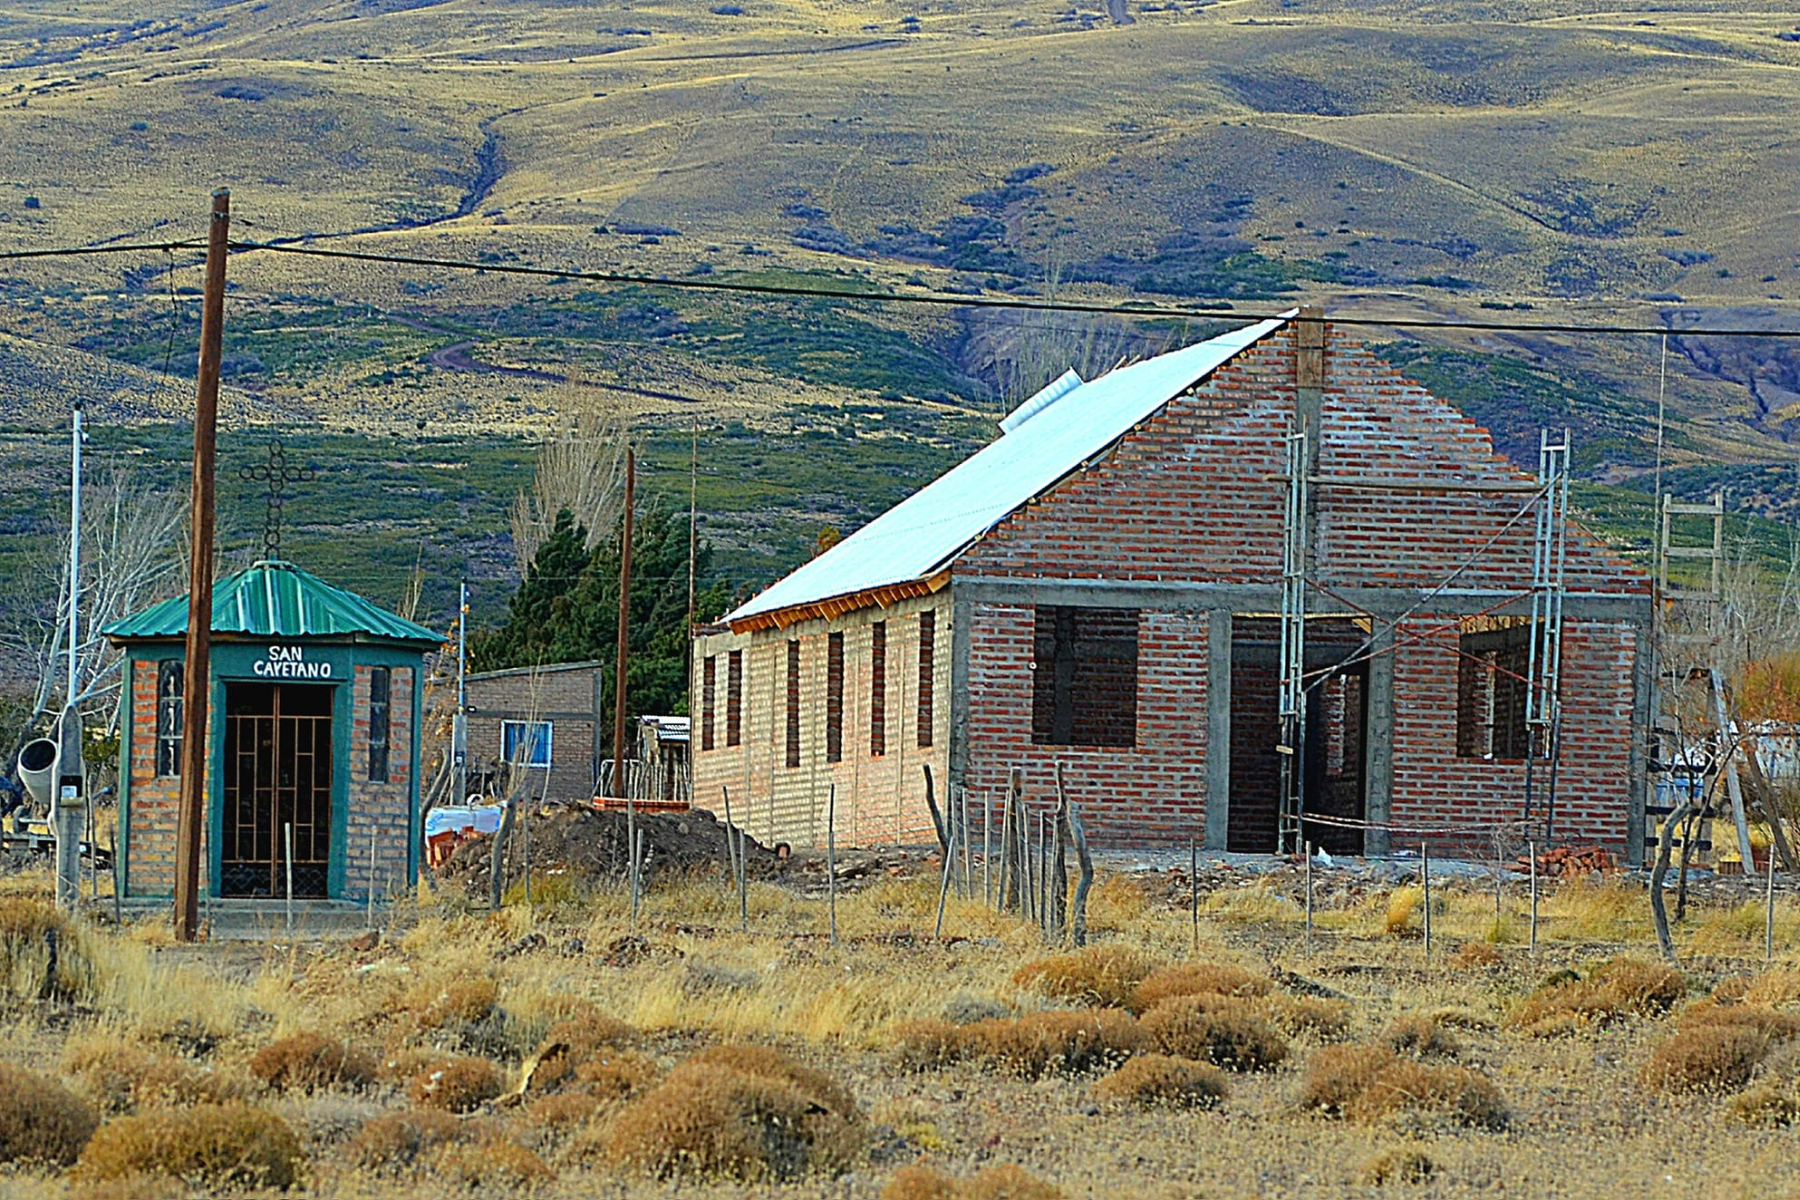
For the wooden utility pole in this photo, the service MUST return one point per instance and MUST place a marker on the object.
(619, 670)
(198, 669)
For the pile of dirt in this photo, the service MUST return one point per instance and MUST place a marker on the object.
(589, 846)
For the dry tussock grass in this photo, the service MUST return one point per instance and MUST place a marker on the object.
(457, 1084)
(929, 1043)
(1476, 955)
(1421, 1035)
(1771, 1104)
(1774, 988)
(1404, 1166)
(1706, 1058)
(498, 1164)
(123, 1076)
(1222, 1030)
(1008, 1181)
(453, 1004)
(402, 1141)
(1152, 1080)
(1616, 988)
(748, 1112)
(1101, 976)
(41, 1121)
(1364, 1083)
(309, 1062)
(1400, 919)
(1303, 1016)
(1058, 1043)
(28, 927)
(220, 1146)
(1196, 979)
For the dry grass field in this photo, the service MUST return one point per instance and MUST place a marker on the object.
(553, 1051)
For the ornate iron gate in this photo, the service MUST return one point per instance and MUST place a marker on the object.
(277, 777)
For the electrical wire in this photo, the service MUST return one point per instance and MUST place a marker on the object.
(1217, 310)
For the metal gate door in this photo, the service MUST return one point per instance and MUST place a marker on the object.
(277, 779)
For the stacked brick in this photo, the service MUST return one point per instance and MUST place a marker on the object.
(381, 810)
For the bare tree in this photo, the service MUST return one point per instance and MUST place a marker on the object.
(131, 541)
(581, 469)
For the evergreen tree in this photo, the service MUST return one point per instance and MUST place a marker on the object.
(564, 612)
(525, 639)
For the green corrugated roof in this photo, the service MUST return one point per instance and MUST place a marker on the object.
(274, 599)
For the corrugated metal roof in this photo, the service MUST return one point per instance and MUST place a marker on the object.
(275, 599)
(922, 534)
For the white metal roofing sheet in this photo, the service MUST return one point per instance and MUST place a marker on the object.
(919, 536)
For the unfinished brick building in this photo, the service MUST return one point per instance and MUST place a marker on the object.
(1103, 587)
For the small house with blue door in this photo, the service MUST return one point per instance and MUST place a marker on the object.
(314, 737)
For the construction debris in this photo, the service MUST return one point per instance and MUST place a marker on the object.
(587, 846)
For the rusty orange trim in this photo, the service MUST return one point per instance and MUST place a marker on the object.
(837, 606)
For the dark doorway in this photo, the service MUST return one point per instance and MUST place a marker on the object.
(1336, 735)
(277, 776)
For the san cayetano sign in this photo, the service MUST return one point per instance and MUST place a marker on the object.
(289, 662)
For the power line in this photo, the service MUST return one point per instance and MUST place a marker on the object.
(1219, 310)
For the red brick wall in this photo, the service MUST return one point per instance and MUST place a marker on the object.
(1198, 491)
(153, 800)
(1433, 788)
(384, 809)
(1155, 791)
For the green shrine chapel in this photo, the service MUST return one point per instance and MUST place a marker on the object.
(313, 727)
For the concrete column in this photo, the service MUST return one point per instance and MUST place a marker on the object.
(1218, 727)
(1378, 786)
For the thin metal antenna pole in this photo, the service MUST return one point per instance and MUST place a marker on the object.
(75, 436)
(288, 833)
(622, 668)
(1194, 891)
(1425, 877)
(987, 847)
(1307, 850)
(459, 724)
(1769, 910)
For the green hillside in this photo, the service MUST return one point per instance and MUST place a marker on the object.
(1558, 164)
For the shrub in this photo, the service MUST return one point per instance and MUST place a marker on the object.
(41, 1121)
(1772, 1025)
(460, 1002)
(1706, 1058)
(587, 1036)
(1402, 907)
(1369, 1083)
(309, 1062)
(1327, 1020)
(1100, 976)
(399, 1141)
(566, 1110)
(616, 1076)
(929, 1044)
(1158, 1079)
(33, 935)
(744, 1111)
(1219, 1029)
(219, 1145)
(1766, 1104)
(1397, 1166)
(1619, 987)
(1007, 1181)
(1421, 1035)
(1047, 1043)
(1774, 988)
(121, 1076)
(1475, 955)
(496, 1164)
(458, 1084)
(1196, 979)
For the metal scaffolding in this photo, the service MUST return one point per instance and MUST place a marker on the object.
(1543, 691)
(1292, 708)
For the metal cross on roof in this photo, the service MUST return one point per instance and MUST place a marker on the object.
(277, 475)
